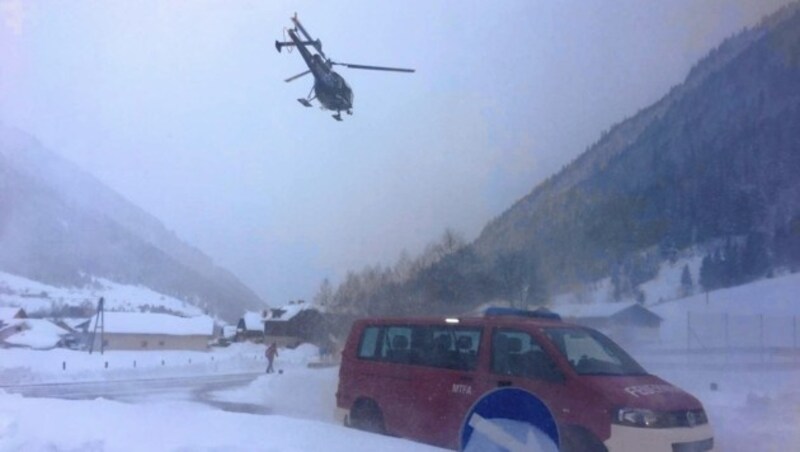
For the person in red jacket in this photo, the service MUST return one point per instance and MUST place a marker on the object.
(271, 353)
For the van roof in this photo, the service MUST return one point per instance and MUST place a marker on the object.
(506, 316)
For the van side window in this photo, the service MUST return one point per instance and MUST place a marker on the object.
(517, 353)
(369, 342)
(395, 346)
(452, 347)
(445, 346)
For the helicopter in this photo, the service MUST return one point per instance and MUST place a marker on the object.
(330, 88)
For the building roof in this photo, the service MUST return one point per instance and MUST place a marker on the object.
(38, 334)
(8, 313)
(76, 323)
(599, 310)
(253, 321)
(229, 331)
(287, 312)
(154, 323)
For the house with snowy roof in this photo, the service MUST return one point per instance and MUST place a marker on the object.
(11, 321)
(251, 327)
(38, 334)
(17, 330)
(630, 323)
(150, 331)
(295, 323)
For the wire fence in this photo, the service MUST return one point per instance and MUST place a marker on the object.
(742, 332)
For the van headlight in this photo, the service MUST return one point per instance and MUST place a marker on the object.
(637, 417)
(640, 417)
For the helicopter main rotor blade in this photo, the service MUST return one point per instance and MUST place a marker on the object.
(373, 68)
(295, 77)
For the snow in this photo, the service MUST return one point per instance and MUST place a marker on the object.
(33, 296)
(7, 313)
(62, 365)
(253, 321)
(289, 311)
(761, 314)
(301, 398)
(155, 323)
(594, 310)
(664, 287)
(37, 334)
(103, 425)
(752, 398)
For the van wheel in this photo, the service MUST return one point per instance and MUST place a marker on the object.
(578, 439)
(366, 416)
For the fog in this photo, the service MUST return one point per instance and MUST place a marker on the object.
(181, 107)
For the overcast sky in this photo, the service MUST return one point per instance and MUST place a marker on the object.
(181, 107)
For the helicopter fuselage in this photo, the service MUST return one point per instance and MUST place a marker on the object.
(330, 88)
(333, 92)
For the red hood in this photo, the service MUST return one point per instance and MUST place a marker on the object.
(641, 391)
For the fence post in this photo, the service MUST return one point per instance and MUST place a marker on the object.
(761, 336)
(727, 333)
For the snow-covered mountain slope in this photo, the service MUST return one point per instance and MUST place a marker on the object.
(39, 298)
(59, 224)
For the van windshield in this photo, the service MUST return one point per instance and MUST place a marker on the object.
(591, 353)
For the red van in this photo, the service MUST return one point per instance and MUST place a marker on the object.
(418, 377)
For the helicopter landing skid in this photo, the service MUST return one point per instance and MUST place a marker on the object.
(304, 102)
(337, 116)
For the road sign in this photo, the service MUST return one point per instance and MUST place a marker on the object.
(509, 419)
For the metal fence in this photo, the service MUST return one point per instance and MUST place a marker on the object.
(745, 332)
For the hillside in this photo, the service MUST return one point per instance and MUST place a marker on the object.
(706, 177)
(717, 158)
(61, 226)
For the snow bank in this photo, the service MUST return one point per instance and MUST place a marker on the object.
(302, 400)
(108, 426)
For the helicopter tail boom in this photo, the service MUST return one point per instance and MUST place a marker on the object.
(317, 44)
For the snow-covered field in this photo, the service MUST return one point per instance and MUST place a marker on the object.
(300, 401)
(753, 398)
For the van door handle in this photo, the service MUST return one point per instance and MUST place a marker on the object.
(503, 383)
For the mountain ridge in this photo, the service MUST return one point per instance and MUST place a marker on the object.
(83, 227)
(720, 99)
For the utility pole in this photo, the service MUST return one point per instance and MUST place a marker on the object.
(99, 320)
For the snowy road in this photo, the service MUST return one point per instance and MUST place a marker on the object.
(194, 388)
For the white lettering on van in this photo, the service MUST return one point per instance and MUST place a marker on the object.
(462, 388)
(648, 390)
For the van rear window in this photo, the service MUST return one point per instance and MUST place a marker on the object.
(369, 342)
(443, 346)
